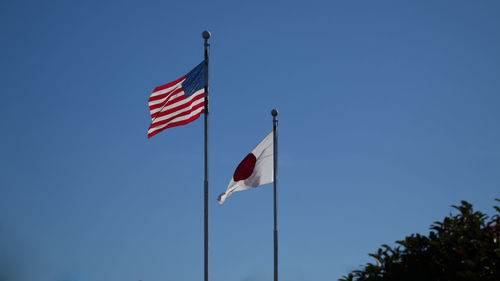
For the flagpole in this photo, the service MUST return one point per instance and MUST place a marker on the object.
(206, 35)
(274, 113)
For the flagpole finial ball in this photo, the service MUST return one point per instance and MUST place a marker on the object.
(274, 112)
(206, 34)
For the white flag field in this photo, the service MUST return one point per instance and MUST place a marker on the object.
(255, 170)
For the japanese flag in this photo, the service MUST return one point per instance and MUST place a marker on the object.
(255, 170)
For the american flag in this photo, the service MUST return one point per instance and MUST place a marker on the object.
(178, 102)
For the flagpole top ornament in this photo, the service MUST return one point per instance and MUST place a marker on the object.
(206, 34)
(274, 112)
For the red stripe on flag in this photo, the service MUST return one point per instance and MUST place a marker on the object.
(173, 124)
(168, 85)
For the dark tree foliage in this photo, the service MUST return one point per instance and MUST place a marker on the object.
(464, 247)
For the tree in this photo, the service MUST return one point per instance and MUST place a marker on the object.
(464, 247)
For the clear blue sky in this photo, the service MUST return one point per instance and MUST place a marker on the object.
(389, 114)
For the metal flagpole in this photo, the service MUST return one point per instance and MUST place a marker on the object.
(274, 113)
(206, 36)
